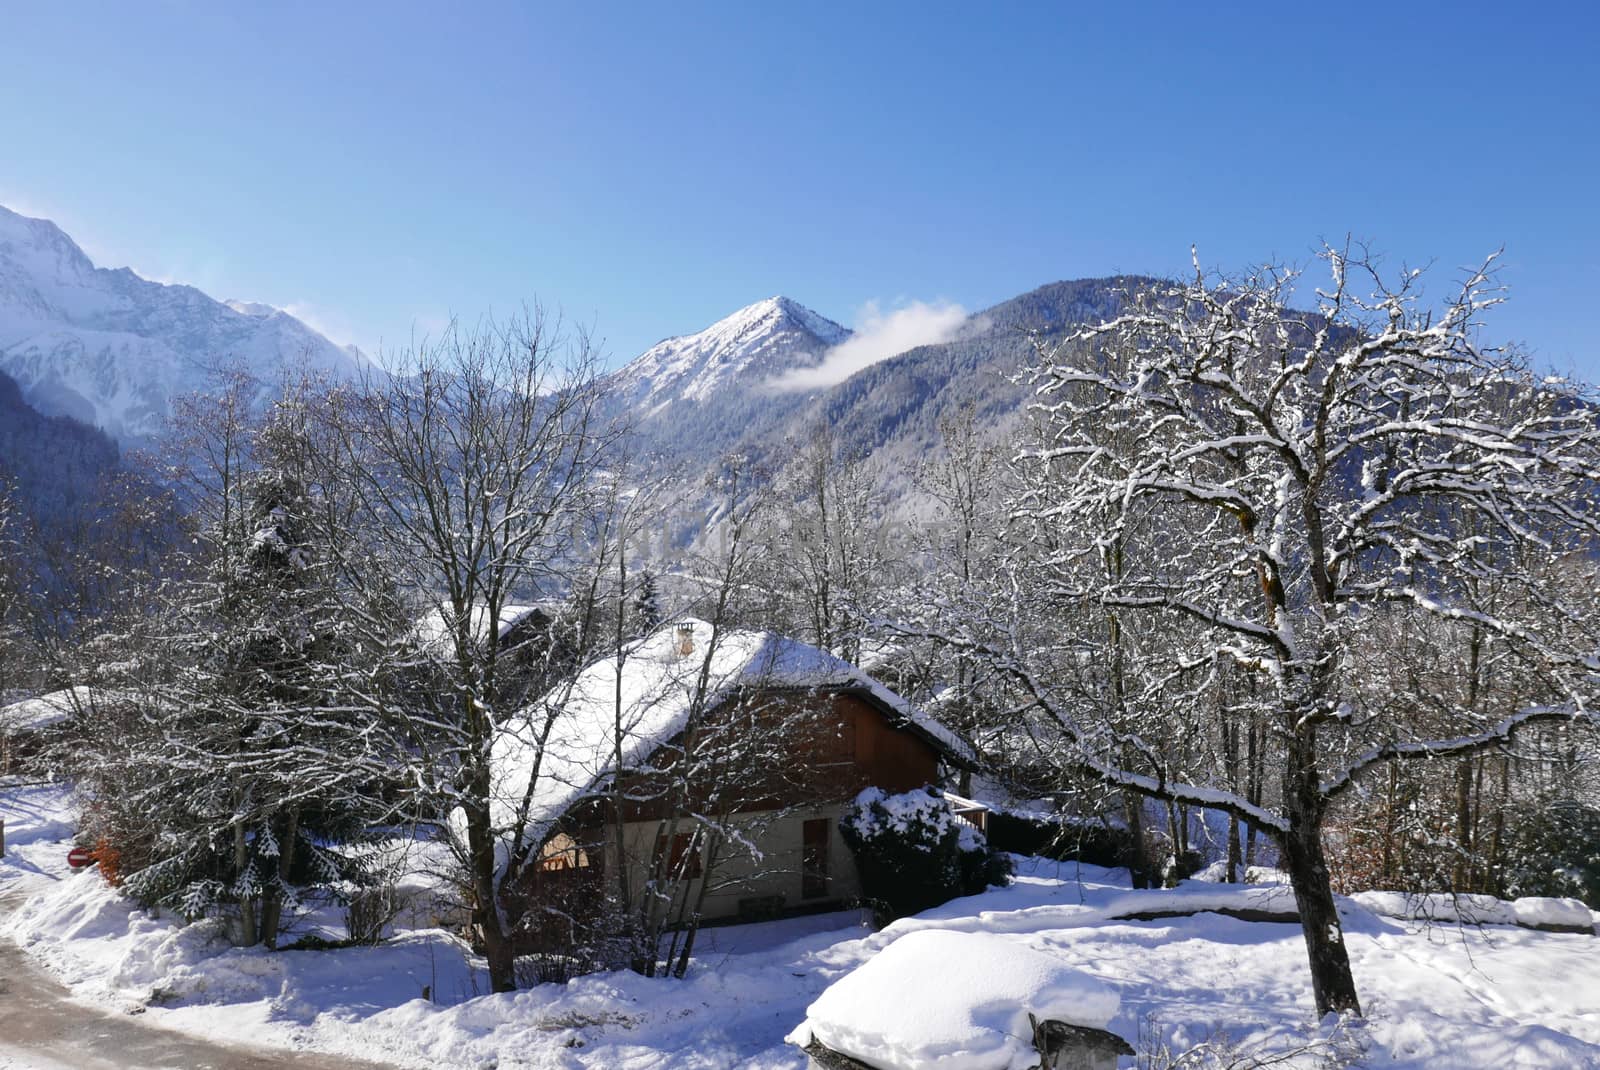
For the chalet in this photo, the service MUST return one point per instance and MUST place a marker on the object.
(764, 739)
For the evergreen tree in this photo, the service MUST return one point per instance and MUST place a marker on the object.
(254, 754)
(646, 605)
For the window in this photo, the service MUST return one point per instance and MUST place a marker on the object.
(562, 852)
(676, 866)
(814, 859)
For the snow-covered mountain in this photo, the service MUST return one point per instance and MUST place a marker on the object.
(698, 395)
(738, 352)
(112, 349)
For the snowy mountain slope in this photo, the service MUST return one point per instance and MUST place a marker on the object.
(696, 399)
(893, 408)
(112, 349)
(738, 351)
(698, 396)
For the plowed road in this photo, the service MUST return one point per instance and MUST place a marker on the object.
(42, 1028)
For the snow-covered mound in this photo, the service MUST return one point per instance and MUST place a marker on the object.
(1532, 912)
(112, 349)
(43, 711)
(940, 1000)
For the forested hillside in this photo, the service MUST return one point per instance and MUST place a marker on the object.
(54, 463)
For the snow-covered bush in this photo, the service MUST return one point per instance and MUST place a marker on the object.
(1556, 852)
(913, 853)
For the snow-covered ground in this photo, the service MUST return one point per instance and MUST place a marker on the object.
(38, 833)
(1437, 997)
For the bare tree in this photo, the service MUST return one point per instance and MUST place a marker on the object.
(828, 557)
(472, 455)
(1270, 483)
(725, 747)
(15, 626)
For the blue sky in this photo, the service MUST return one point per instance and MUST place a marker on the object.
(648, 169)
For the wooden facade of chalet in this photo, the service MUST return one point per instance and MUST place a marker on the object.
(827, 745)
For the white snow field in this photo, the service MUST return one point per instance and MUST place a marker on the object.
(1440, 996)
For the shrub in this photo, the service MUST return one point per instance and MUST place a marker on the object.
(913, 853)
(369, 912)
(1557, 853)
(109, 858)
(1065, 839)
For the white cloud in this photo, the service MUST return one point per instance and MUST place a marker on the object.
(328, 324)
(878, 336)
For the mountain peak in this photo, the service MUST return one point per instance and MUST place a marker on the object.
(111, 348)
(748, 346)
(41, 246)
(773, 314)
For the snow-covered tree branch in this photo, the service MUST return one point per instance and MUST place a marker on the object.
(1226, 495)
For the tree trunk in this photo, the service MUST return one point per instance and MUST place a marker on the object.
(693, 923)
(497, 949)
(1459, 873)
(1255, 774)
(272, 907)
(1169, 876)
(247, 903)
(1332, 984)
(1133, 810)
(1497, 868)
(1391, 827)
(1230, 756)
(1234, 853)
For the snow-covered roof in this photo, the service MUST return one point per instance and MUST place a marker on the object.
(875, 653)
(434, 629)
(658, 688)
(43, 711)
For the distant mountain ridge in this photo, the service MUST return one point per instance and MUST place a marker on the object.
(893, 408)
(702, 395)
(52, 462)
(111, 349)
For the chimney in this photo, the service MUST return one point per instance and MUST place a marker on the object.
(685, 639)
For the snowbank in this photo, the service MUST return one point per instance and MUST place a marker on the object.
(1533, 912)
(39, 820)
(45, 711)
(955, 1001)
(107, 947)
(1543, 912)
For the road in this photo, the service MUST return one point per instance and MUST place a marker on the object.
(42, 1028)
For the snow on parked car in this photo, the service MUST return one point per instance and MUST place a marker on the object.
(955, 1001)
